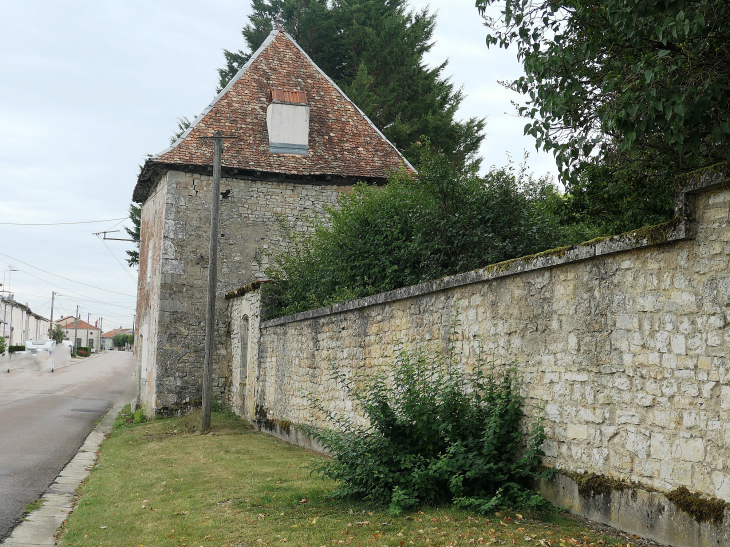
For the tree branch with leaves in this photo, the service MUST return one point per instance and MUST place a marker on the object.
(135, 215)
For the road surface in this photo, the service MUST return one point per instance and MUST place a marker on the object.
(46, 416)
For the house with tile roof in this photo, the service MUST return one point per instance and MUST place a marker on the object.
(108, 337)
(80, 333)
(295, 142)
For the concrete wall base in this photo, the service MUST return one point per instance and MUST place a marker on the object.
(290, 434)
(636, 511)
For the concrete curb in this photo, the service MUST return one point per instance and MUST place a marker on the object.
(72, 361)
(82, 360)
(40, 526)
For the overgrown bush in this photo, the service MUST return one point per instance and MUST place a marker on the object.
(13, 349)
(445, 221)
(82, 351)
(436, 434)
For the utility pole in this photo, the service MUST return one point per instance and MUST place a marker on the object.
(76, 327)
(5, 314)
(50, 329)
(88, 318)
(212, 280)
(101, 331)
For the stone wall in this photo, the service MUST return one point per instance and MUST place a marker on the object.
(623, 341)
(249, 213)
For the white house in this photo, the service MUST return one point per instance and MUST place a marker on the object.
(19, 323)
(81, 333)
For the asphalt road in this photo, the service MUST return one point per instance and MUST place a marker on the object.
(46, 416)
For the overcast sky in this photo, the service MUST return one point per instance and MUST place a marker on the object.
(88, 88)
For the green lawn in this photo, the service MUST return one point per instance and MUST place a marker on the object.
(162, 483)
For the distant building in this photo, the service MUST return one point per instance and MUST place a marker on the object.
(107, 337)
(19, 323)
(87, 336)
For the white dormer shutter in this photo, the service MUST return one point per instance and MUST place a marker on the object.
(287, 119)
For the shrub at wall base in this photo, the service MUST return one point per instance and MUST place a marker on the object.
(434, 434)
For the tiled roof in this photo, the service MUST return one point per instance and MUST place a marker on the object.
(69, 325)
(342, 140)
(286, 96)
(112, 333)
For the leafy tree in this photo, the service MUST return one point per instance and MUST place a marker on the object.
(57, 333)
(120, 340)
(651, 77)
(183, 123)
(615, 195)
(2, 344)
(626, 95)
(445, 221)
(135, 215)
(373, 49)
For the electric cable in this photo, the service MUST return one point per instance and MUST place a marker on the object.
(126, 270)
(97, 313)
(84, 297)
(62, 277)
(60, 223)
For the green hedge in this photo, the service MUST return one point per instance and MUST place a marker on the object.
(83, 351)
(13, 349)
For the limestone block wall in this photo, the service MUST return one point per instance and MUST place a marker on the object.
(624, 343)
(249, 213)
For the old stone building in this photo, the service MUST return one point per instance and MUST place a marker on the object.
(299, 141)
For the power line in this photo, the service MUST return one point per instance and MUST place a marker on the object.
(66, 278)
(60, 223)
(126, 270)
(83, 297)
(97, 312)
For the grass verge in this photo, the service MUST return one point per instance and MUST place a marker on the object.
(34, 506)
(161, 483)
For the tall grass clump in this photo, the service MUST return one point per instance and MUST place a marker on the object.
(435, 434)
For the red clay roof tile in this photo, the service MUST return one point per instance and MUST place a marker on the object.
(342, 140)
(286, 96)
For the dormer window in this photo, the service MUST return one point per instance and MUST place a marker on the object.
(287, 119)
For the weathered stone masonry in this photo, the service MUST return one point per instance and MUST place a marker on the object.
(623, 341)
(335, 146)
(180, 210)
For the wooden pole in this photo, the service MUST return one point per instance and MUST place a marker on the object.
(76, 328)
(53, 300)
(212, 281)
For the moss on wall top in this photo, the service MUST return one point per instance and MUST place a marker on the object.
(702, 509)
(686, 180)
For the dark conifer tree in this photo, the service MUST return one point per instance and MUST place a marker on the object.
(373, 49)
